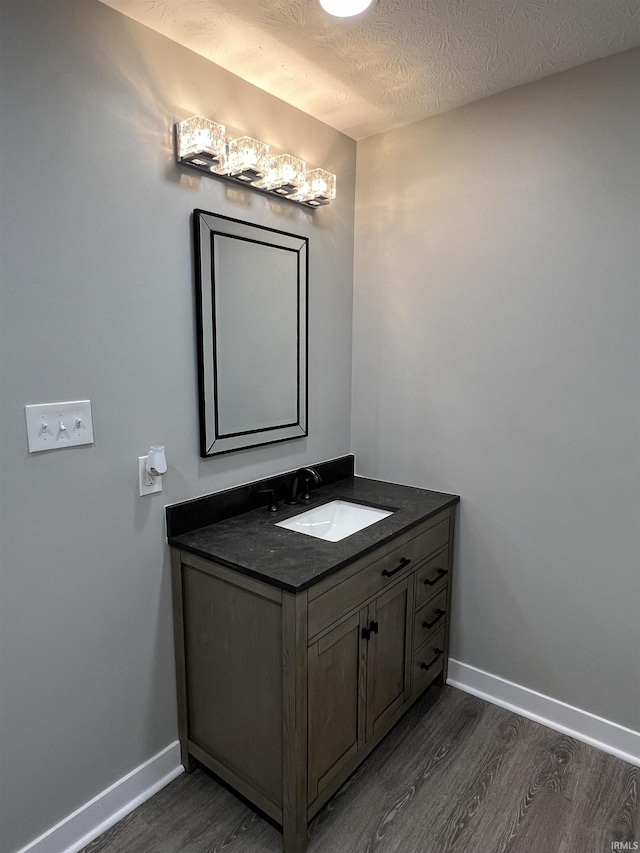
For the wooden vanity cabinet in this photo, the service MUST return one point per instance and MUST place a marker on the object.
(284, 694)
(358, 676)
(336, 701)
(388, 651)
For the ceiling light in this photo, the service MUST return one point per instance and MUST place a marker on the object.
(345, 8)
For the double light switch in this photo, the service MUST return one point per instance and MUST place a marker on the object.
(51, 426)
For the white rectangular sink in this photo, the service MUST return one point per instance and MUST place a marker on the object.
(335, 520)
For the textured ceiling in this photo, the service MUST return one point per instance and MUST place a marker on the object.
(400, 61)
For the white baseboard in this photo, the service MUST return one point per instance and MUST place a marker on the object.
(111, 805)
(596, 731)
(107, 808)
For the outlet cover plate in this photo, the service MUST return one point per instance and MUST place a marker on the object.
(148, 485)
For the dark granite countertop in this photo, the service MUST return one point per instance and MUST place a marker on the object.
(254, 545)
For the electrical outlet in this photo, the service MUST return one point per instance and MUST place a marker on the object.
(148, 485)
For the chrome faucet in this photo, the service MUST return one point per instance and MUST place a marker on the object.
(308, 475)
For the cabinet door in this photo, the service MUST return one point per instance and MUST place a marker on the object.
(388, 666)
(336, 695)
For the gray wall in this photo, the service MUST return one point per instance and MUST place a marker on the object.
(496, 355)
(96, 301)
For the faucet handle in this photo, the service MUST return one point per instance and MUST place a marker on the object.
(308, 479)
(273, 505)
(310, 476)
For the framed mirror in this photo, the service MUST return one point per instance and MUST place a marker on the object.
(251, 298)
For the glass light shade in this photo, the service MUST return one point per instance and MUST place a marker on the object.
(247, 159)
(200, 142)
(284, 175)
(345, 8)
(317, 188)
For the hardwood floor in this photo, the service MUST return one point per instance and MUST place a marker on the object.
(455, 775)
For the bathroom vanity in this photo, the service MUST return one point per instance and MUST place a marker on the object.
(296, 655)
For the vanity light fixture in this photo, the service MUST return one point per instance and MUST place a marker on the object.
(284, 175)
(345, 8)
(318, 187)
(201, 144)
(247, 160)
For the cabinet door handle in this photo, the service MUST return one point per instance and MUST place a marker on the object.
(441, 574)
(372, 629)
(431, 662)
(404, 562)
(439, 615)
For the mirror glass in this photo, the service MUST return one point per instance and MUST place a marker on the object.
(252, 327)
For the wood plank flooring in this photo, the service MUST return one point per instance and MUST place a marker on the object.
(456, 775)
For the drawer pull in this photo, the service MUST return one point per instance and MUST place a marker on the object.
(404, 562)
(439, 615)
(372, 629)
(439, 576)
(431, 662)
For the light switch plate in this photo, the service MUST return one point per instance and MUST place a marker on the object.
(53, 426)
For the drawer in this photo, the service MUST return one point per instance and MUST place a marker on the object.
(428, 662)
(350, 589)
(432, 577)
(429, 618)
